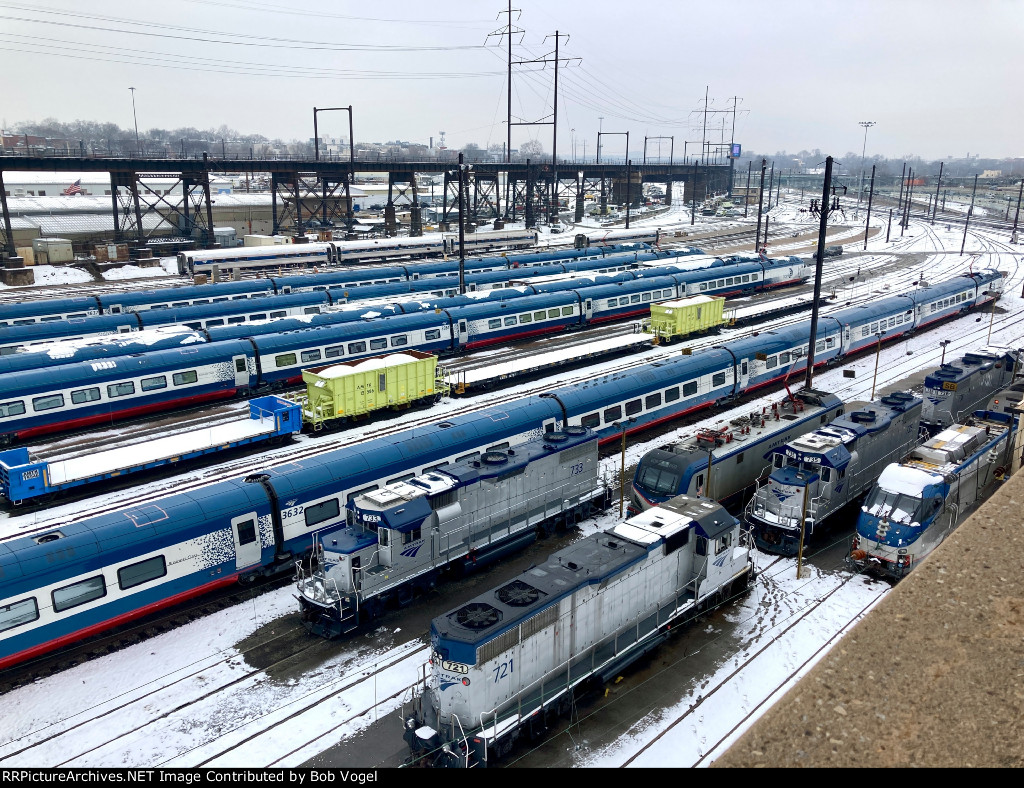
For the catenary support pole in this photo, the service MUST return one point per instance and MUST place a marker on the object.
(819, 260)
(871, 194)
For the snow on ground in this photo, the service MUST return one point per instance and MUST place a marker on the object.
(137, 272)
(180, 721)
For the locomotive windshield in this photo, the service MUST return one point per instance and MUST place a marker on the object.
(897, 507)
(658, 476)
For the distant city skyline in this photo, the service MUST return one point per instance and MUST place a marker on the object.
(935, 78)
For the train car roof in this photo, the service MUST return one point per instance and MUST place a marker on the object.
(498, 307)
(273, 250)
(212, 290)
(594, 394)
(99, 347)
(361, 463)
(227, 308)
(46, 306)
(338, 277)
(34, 381)
(613, 289)
(356, 329)
(872, 310)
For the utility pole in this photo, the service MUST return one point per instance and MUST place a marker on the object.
(746, 194)
(508, 120)
(693, 195)
(462, 226)
(1016, 216)
(760, 204)
(771, 188)
(138, 145)
(553, 195)
(822, 229)
(970, 210)
(888, 227)
(903, 176)
(871, 194)
(629, 165)
(906, 206)
(938, 186)
(867, 124)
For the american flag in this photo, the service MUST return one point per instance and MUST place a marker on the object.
(74, 188)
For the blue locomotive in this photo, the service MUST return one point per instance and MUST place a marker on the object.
(817, 474)
(50, 595)
(957, 389)
(917, 502)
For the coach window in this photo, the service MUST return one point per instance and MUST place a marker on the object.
(718, 379)
(728, 280)
(772, 362)
(152, 384)
(539, 315)
(184, 378)
(311, 310)
(527, 318)
(235, 298)
(399, 339)
(635, 299)
(784, 358)
(689, 389)
(212, 323)
(285, 360)
(310, 355)
(553, 313)
(720, 283)
(613, 302)
(892, 322)
(195, 325)
(48, 402)
(746, 278)
(652, 401)
(819, 346)
(213, 301)
(566, 311)
(354, 347)
(434, 333)
(468, 457)
(142, 572)
(378, 344)
(321, 512)
(753, 277)
(353, 495)
(510, 320)
(495, 323)
(15, 408)
(18, 613)
(703, 286)
(612, 414)
(400, 479)
(78, 593)
(830, 342)
(672, 394)
(258, 316)
(645, 297)
(864, 331)
(53, 319)
(274, 315)
(237, 319)
(591, 420)
(633, 407)
(180, 304)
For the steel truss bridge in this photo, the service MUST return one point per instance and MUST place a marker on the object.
(311, 192)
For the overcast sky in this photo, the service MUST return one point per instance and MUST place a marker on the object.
(939, 78)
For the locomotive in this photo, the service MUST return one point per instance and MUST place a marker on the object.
(916, 503)
(463, 516)
(507, 662)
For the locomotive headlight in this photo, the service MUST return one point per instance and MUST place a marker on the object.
(465, 681)
(902, 551)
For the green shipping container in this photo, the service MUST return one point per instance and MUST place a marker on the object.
(353, 388)
(674, 319)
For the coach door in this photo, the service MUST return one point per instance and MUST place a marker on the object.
(241, 371)
(245, 530)
(744, 374)
(588, 308)
(463, 333)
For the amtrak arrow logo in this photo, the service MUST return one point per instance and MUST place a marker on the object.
(410, 552)
(780, 495)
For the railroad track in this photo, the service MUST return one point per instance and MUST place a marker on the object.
(41, 522)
